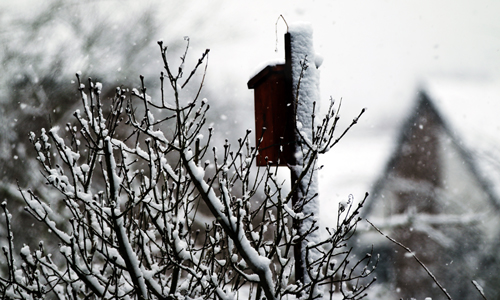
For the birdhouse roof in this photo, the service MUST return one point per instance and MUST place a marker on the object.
(264, 74)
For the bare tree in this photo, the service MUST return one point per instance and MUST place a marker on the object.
(128, 219)
(40, 51)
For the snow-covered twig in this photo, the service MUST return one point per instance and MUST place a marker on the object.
(479, 289)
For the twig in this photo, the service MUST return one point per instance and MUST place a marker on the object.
(479, 289)
(415, 257)
(200, 61)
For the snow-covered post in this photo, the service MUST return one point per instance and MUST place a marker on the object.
(305, 88)
(285, 100)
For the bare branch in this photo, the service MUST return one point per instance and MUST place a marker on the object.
(415, 257)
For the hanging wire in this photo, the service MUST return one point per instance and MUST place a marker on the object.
(276, 28)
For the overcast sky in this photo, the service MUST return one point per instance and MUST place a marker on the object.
(375, 52)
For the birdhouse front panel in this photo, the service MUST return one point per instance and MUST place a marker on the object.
(274, 129)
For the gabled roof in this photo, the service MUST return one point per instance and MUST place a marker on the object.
(445, 102)
(470, 112)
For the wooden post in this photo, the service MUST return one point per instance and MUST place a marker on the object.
(297, 249)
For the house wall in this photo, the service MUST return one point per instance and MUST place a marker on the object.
(473, 225)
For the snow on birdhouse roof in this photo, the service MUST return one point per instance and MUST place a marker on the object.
(265, 65)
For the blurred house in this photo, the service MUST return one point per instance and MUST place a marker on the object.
(440, 196)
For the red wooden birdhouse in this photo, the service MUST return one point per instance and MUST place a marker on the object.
(274, 113)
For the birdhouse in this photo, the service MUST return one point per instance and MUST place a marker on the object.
(274, 113)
